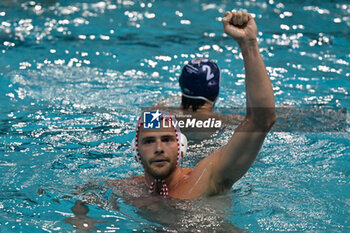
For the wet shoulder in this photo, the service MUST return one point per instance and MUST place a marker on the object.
(132, 186)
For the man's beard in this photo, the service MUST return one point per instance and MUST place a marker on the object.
(156, 174)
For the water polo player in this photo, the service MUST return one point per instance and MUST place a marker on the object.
(159, 150)
(200, 84)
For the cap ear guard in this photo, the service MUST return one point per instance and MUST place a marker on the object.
(183, 147)
(133, 148)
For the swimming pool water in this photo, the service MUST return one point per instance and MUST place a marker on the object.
(75, 75)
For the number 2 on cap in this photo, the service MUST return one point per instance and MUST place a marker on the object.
(207, 68)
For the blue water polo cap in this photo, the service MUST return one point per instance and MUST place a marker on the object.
(200, 79)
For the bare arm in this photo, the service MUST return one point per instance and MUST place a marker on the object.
(232, 161)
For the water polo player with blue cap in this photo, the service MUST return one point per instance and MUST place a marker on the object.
(200, 84)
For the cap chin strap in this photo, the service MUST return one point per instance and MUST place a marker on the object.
(199, 97)
(164, 191)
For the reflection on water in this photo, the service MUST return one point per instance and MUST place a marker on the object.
(81, 221)
(208, 214)
(204, 215)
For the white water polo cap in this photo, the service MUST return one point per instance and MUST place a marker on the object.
(152, 120)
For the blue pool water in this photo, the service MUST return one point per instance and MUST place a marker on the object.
(75, 75)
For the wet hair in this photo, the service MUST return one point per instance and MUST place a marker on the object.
(191, 103)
